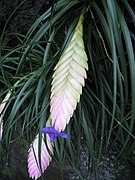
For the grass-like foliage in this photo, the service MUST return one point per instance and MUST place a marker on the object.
(105, 114)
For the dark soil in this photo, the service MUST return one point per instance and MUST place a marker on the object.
(24, 16)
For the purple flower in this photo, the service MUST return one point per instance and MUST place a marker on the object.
(53, 133)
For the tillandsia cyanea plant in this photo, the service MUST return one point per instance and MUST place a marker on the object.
(53, 57)
(68, 80)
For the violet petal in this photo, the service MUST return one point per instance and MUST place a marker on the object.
(53, 133)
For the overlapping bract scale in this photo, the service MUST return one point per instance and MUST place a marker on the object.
(33, 157)
(68, 79)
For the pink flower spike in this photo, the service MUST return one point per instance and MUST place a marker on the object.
(1, 127)
(68, 79)
(33, 157)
